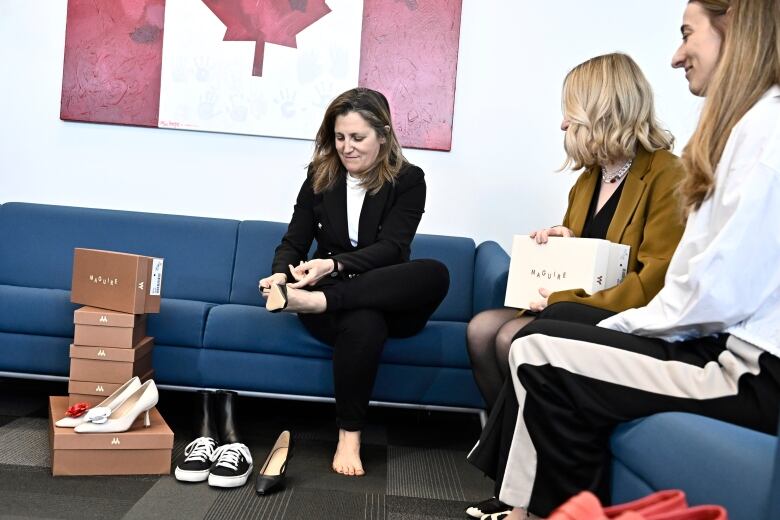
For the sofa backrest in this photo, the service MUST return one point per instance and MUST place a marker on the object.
(257, 241)
(37, 242)
(457, 253)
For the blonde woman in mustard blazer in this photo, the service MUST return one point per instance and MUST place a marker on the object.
(626, 194)
(647, 218)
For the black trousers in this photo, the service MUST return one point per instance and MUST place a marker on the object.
(572, 383)
(362, 312)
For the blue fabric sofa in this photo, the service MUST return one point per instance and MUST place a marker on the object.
(212, 330)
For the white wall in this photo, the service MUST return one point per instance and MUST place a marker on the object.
(498, 179)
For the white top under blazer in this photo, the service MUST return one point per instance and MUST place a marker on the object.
(356, 194)
(725, 273)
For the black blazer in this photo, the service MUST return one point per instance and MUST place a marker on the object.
(388, 222)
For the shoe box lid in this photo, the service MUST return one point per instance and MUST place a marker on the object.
(96, 391)
(102, 353)
(106, 318)
(98, 370)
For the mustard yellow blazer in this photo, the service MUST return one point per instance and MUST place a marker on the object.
(648, 218)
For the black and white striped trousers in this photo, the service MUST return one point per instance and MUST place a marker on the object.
(572, 383)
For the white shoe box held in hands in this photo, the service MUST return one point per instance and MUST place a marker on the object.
(561, 264)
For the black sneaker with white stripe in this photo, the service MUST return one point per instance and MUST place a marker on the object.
(196, 464)
(232, 466)
(491, 506)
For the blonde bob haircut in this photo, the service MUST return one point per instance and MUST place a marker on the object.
(609, 106)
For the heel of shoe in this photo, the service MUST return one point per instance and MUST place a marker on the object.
(147, 421)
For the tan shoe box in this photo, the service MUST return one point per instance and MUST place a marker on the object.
(138, 451)
(105, 328)
(130, 355)
(117, 281)
(94, 393)
(92, 363)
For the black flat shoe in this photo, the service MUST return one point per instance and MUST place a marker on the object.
(277, 298)
(272, 472)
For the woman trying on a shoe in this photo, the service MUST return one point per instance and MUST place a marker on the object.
(361, 201)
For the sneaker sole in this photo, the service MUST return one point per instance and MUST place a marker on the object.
(191, 476)
(229, 482)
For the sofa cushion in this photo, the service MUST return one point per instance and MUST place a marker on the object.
(28, 310)
(712, 461)
(257, 241)
(457, 253)
(246, 328)
(34, 354)
(38, 242)
(180, 323)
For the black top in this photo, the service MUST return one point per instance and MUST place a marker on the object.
(596, 224)
(388, 223)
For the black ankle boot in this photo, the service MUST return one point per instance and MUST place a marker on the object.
(195, 463)
(207, 425)
(228, 434)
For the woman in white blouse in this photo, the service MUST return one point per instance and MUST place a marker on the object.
(709, 342)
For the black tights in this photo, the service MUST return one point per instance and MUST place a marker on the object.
(490, 334)
(362, 312)
(488, 338)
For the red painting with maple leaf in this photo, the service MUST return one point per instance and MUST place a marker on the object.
(271, 21)
(408, 50)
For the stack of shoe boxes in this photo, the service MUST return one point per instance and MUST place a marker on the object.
(110, 347)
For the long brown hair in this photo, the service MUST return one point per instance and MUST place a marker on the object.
(749, 65)
(326, 166)
(716, 12)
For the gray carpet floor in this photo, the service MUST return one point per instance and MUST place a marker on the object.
(415, 463)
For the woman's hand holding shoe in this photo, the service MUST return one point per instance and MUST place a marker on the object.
(541, 235)
(265, 284)
(309, 273)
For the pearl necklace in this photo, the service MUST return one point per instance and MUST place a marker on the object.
(618, 174)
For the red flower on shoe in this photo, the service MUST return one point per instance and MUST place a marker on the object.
(77, 410)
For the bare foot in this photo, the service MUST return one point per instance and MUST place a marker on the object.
(346, 461)
(305, 302)
(296, 300)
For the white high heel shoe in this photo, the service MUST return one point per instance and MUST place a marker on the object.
(123, 417)
(112, 402)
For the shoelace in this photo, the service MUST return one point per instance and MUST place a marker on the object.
(228, 455)
(201, 449)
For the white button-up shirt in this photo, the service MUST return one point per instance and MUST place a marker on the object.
(725, 274)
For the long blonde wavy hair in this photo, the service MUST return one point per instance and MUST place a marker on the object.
(326, 166)
(609, 105)
(749, 65)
